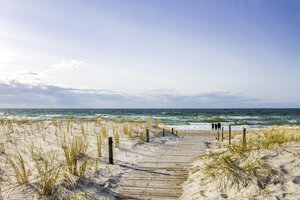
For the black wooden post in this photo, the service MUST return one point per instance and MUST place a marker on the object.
(172, 131)
(222, 134)
(110, 150)
(147, 135)
(163, 132)
(244, 136)
(229, 134)
(218, 135)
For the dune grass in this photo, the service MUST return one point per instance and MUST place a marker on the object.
(117, 138)
(238, 165)
(99, 143)
(233, 134)
(234, 167)
(82, 129)
(64, 149)
(74, 152)
(20, 168)
(48, 171)
(142, 136)
(104, 131)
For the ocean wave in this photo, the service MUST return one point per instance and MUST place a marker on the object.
(184, 118)
(243, 117)
(207, 126)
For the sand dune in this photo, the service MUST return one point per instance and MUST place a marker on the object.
(276, 173)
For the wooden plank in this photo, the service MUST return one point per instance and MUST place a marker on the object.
(152, 197)
(154, 192)
(152, 186)
(161, 176)
(165, 179)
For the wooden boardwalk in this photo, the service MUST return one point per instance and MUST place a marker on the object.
(160, 177)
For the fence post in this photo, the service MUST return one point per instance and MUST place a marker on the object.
(110, 150)
(222, 134)
(172, 131)
(147, 135)
(163, 132)
(229, 134)
(218, 136)
(244, 136)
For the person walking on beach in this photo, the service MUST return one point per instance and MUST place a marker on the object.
(212, 126)
(216, 126)
(219, 126)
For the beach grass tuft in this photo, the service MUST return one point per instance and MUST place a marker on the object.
(238, 165)
(60, 152)
(48, 171)
(20, 168)
(73, 152)
(99, 143)
(117, 138)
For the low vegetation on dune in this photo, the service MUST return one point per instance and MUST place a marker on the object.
(241, 165)
(48, 171)
(51, 156)
(21, 171)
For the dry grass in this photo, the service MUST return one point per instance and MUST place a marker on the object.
(99, 143)
(21, 171)
(233, 134)
(96, 120)
(117, 139)
(149, 123)
(274, 136)
(54, 121)
(104, 131)
(158, 122)
(82, 129)
(66, 159)
(75, 155)
(232, 168)
(142, 136)
(237, 165)
(48, 170)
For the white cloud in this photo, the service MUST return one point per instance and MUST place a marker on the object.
(10, 57)
(25, 77)
(69, 64)
(16, 94)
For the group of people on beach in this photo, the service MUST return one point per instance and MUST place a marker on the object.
(216, 126)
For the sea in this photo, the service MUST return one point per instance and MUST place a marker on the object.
(181, 119)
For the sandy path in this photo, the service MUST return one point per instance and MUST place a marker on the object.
(161, 175)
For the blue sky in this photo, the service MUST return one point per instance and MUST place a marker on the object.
(138, 53)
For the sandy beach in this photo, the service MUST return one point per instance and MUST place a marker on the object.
(36, 162)
(269, 171)
(31, 149)
(149, 99)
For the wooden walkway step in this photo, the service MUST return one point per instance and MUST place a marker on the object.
(160, 177)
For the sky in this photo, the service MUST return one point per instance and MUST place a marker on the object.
(150, 53)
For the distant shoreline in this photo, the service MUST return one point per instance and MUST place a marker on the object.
(181, 119)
